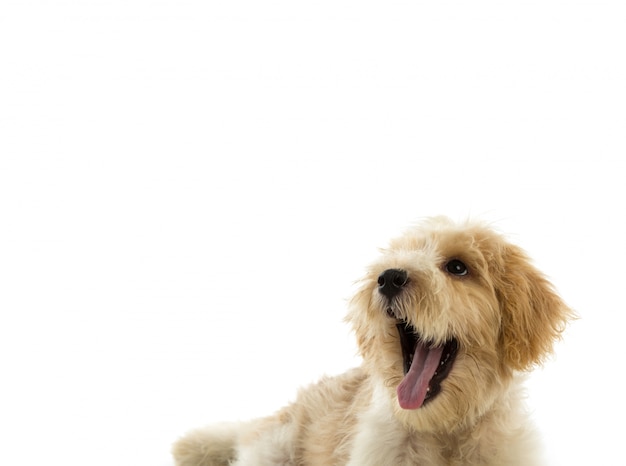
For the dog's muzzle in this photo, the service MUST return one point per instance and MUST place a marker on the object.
(425, 364)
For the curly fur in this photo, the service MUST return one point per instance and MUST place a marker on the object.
(504, 315)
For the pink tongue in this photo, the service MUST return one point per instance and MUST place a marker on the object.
(412, 389)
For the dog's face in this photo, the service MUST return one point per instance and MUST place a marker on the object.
(446, 317)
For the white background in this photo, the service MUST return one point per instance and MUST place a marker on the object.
(188, 190)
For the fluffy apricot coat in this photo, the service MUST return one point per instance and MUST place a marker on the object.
(447, 322)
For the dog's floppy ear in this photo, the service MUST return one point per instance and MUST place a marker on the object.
(533, 315)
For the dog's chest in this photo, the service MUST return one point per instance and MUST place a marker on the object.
(380, 440)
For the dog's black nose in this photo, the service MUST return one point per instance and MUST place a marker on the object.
(391, 282)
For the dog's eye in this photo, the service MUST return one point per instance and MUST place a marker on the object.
(456, 267)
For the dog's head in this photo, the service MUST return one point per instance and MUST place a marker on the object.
(447, 316)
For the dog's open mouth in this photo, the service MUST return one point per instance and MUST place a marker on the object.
(425, 367)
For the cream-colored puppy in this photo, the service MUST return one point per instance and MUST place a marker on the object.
(446, 322)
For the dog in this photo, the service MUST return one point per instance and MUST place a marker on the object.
(447, 321)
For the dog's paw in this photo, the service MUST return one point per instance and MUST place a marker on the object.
(211, 446)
